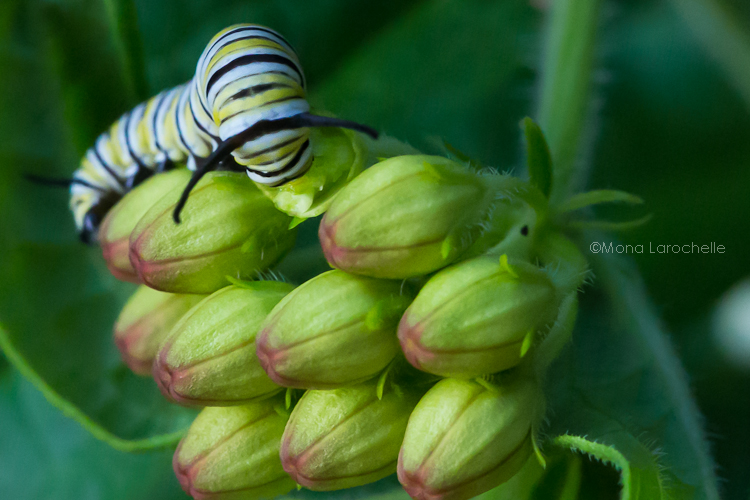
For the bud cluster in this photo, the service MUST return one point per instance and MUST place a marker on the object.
(421, 353)
(495, 276)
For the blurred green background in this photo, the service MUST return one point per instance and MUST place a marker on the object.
(667, 121)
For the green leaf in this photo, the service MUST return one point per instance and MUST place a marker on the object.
(610, 226)
(62, 85)
(561, 481)
(123, 25)
(91, 54)
(538, 159)
(597, 197)
(723, 37)
(46, 455)
(71, 411)
(454, 70)
(324, 34)
(619, 393)
(68, 352)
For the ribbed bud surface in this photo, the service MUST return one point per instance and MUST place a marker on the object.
(233, 454)
(405, 216)
(145, 322)
(209, 357)
(114, 233)
(336, 329)
(345, 437)
(477, 317)
(228, 228)
(464, 439)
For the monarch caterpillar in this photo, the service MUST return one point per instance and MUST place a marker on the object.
(244, 108)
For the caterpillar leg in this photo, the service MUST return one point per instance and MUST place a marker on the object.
(94, 217)
(229, 164)
(141, 174)
(204, 166)
(164, 166)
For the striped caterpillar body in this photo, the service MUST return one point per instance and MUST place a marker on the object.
(245, 108)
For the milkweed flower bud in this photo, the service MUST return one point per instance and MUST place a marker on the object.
(209, 357)
(336, 329)
(465, 438)
(233, 453)
(345, 437)
(477, 317)
(114, 233)
(338, 156)
(144, 323)
(228, 228)
(405, 216)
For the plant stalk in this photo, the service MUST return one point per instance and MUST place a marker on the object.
(566, 82)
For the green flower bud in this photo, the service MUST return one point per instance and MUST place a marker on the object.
(465, 438)
(209, 357)
(228, 229)
(233, 453)
(406, 216)
(477, 317)
(114, 233)
(339, 156)
(336, 329)
(345, 437)
(144, 323)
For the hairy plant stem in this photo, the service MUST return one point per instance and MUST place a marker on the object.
(566, 81)
(562, 112)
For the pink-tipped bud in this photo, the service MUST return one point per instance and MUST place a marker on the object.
(405, 216)
(345, 437)
(228, 228)
(337, 329)
(465, 438)
(114, 233)
(145, 322)
(233, 453)
(477, 317)
(209, 357)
